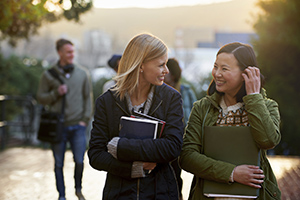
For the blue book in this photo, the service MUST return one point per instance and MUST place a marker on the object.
(161, 123)
(137, 128)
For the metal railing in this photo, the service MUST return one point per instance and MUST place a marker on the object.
(23, 118)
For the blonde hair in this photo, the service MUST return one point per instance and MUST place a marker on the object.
(141, 49)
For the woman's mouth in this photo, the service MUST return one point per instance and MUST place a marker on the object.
(219, 82)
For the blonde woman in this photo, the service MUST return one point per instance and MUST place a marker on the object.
(139, 87)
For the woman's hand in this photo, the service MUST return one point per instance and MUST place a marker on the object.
(249, 175)
(252, 80)
(149, 166)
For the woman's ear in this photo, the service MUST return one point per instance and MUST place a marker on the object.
(141, 70)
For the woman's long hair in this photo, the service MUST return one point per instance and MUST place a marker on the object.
(245, 56)
(141, 49)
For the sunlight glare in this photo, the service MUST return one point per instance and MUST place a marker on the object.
(35, 2)
(151, 4)
(282, 165)
(67, 5)
(52, 6)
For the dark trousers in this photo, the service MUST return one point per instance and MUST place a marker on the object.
(76, 136)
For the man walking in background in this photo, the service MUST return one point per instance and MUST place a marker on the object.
(77, 89)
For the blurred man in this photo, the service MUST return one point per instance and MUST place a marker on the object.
(77, 113)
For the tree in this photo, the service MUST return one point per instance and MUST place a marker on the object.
(19, 76)
(98, 87)
(21, 18)
(278, 50)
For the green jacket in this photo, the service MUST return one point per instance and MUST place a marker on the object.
(78, 99)
(264, 119)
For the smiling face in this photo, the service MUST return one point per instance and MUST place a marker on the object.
(227, 74)
(154, 71)
(66, 54)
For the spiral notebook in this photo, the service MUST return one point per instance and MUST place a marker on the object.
(234, 145)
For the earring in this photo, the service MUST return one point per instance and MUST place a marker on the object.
(142, 71)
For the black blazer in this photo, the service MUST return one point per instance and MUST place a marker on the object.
(161, 183)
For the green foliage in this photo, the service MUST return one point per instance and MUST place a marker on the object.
(98, 87)
(78, 7)
(17, 78)
(278, 49)
(21, 18)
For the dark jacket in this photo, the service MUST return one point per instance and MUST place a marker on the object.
(161, 182)
(264, 119)
(78, 99)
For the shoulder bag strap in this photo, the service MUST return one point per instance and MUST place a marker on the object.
(55, 75)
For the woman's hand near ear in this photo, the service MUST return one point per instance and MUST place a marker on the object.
(252, 80)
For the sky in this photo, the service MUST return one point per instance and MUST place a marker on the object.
(150, 3)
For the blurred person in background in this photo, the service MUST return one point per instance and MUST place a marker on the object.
(113, 62)
(188, 98)
(173, 79)
(77, 89)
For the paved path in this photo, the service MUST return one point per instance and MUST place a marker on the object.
(27, 174)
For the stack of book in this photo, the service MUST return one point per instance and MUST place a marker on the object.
(141, 126)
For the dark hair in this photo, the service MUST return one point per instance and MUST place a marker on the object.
(113, 61)
(61, 42)
(174, 69)
(245, 56)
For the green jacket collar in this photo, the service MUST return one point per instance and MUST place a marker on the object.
(215, 98)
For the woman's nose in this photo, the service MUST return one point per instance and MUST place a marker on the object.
(166, 70)
(218, 73)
